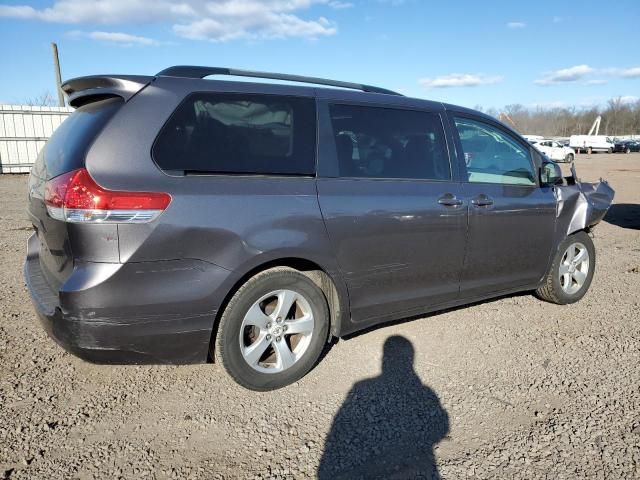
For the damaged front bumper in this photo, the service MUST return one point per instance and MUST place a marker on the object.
(581, 205)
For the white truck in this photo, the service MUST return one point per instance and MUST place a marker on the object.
(591, 143)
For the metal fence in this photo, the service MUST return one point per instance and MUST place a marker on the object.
(24, 131)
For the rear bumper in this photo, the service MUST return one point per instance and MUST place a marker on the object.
(127, 317)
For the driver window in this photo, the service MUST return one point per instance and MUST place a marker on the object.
(493, 156)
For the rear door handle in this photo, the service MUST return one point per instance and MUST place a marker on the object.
(449, 200)
(482, 200)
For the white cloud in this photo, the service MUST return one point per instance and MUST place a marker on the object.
(627, 99)
(578, 72)
(633, 72)
(103, 12)
(17, 11)
(459, 80)
(393, 3)
(338, 5)
(595, 82)
(119, 38)
(516, 25)
(564, 75)
(270, 26)
(216, 20)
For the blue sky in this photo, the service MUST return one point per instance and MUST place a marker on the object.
(491, 53)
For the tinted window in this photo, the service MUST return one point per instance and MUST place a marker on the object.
(66, 149)
(493, 156)
(386, 143)
(239, 133)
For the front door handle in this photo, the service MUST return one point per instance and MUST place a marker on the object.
(482, 200)
(449, 200)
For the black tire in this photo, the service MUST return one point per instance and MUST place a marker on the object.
(610, 150)
(227, 345)
(569, 158)
(551, 289)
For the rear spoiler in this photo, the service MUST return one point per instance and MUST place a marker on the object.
(83, 90)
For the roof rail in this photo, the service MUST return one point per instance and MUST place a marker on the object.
(192, 71)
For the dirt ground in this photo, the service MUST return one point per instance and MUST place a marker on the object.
(510, 388)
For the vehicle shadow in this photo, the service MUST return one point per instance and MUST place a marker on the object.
(388, 425)
(625, 215)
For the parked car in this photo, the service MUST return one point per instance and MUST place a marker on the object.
(627, 146)
(179, 219)
(555, 150)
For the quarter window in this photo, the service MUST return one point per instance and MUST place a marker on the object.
(492, 156)
(239, 133)
(378, 142)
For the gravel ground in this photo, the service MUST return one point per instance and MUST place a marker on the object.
(511, 388)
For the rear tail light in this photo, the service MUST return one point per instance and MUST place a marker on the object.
(75, 197)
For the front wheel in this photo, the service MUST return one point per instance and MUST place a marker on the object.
(273, 329)
(571, 271)
(610, 150)
(628, 150)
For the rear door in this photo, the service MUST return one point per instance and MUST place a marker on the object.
(511, 218)
(392, 206)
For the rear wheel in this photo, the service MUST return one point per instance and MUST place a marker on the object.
(628, 150)
(610, 150)
(273, 329)
(571, 271)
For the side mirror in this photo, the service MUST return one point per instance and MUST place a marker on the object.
(550, 174)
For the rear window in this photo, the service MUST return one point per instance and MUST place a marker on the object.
(241, 134)
(67, 147)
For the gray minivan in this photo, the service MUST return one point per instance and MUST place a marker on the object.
(180, 219)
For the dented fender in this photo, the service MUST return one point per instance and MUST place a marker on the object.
(581, 205)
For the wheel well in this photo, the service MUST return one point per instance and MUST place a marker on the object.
(310, 269)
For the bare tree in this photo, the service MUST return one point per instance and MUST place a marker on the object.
(45, 99)
(619, 117)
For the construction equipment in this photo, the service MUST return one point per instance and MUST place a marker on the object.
(504, 117)
(595, 128)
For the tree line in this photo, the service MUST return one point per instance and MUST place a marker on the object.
(619, 117)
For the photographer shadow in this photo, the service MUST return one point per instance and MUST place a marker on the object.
(388, 425)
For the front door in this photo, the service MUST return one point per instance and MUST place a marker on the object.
(511, 218)
(392, 209)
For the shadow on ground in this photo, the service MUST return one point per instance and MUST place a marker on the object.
(625, 215)
(388, 425)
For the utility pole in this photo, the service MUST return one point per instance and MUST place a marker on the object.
(56, 67)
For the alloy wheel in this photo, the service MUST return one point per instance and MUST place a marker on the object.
(276, 331)
(574, 268)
